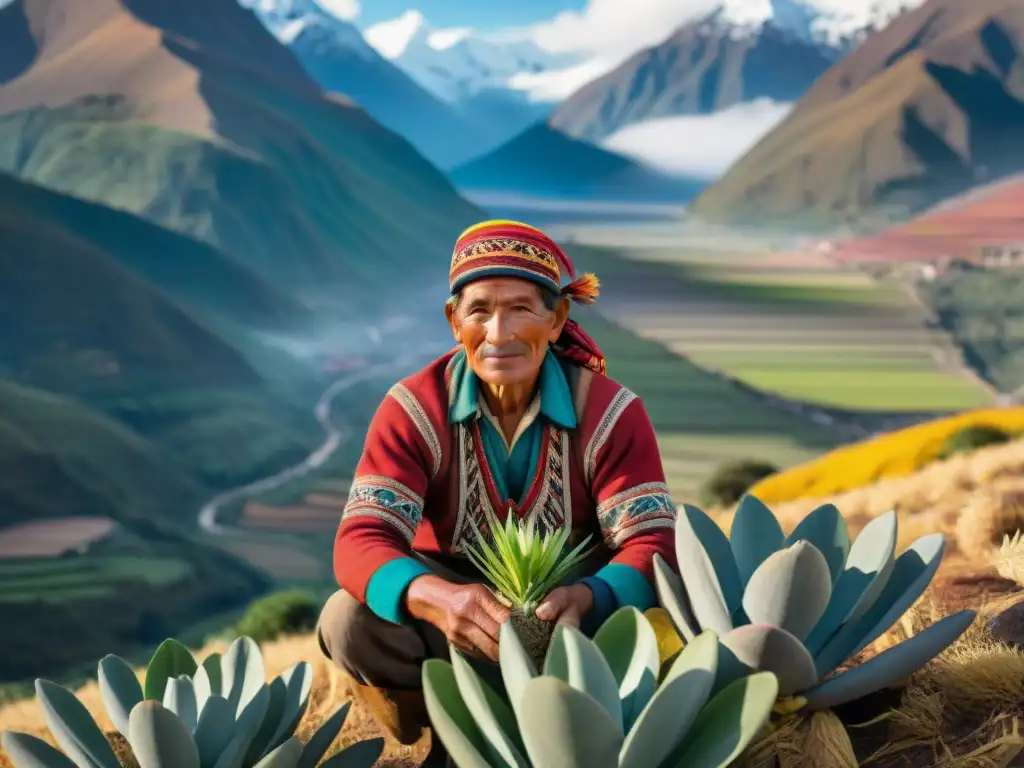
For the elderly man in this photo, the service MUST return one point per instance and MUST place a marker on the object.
(521, 416)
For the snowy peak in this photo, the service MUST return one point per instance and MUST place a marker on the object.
(835, 23)
(458, 63)
(288, 20)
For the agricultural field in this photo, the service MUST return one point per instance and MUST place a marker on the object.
(54, 537)
(65, 580)
(801, 327)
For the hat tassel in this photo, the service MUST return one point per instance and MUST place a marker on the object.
(583, 290)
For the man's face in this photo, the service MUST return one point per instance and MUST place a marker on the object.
(505, 327)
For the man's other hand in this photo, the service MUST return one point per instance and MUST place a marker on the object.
(567, 605)
(469, 615)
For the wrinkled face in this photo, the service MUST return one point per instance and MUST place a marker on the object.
(505, 327)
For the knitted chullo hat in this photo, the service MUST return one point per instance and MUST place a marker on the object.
(501, 248)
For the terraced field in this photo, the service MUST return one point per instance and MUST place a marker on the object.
(804, 329)
(63, 580)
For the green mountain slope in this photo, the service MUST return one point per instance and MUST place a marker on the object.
(188, 270)
(201, 121)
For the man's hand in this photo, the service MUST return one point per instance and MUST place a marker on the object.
(468, 614)
(567, 605)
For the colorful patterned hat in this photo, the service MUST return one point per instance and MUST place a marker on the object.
(501, 248)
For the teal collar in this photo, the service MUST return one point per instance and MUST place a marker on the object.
(555, 398)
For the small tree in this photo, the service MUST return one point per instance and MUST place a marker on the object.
(732, 479)
(282, 613)
(972, 438)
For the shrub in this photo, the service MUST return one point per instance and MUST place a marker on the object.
(971, 438)
(282, 613)
(731, 480)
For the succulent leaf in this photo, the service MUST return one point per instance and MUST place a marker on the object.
(672, 597)
(492, 716)
(159, 738)
(26, 751)
(324, 736)
(171, 659)
(362, 754)
(730, 722)
(719, 550)
(911, 574)
(247, 725)
(664, 723)
(629, 644)
(215, 729)
(565, 728)
(277, 703)
(867, 570)
(180, 698)
(285, 756)
(213, 664)
(73, 727)
(790, 589)
(576, 660)
(755, 535)
(298, 681)
(700, 582)
(120, 690)
(517, 668)
(450, 717)
(771, 649)
(825, 528)
(891, 666)
(243, 673)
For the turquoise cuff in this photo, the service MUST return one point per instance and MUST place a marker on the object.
(604, 605)
(629, 586)
(387, 585)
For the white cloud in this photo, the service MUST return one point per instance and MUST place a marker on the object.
(346, 10)
(557, 84)
(698, 146)
(615, 29)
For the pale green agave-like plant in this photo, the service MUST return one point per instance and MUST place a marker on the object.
(598, 703)
(800, 606)
(218, 714)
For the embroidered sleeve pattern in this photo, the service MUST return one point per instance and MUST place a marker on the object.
(642, 508)
(387, 500)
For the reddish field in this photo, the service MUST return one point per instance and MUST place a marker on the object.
(279, 560)
(300, 518)
(51, 538)
(957, 228)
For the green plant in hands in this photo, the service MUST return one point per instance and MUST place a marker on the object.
(218, 714)
(598, 703)
(524, 565)
(801, 605)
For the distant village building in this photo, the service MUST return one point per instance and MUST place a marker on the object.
(1006, 255)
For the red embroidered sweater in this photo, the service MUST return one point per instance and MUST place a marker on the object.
(423, 482)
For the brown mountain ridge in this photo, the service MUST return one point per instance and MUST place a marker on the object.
(191, 114)
(926, 108)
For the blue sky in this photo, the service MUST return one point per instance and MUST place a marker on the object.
(479, 14)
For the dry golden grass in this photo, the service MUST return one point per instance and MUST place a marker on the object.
(974, 498)
(870, 463)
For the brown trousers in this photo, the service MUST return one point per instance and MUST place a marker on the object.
(386, 659)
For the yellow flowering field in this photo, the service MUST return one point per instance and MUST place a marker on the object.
(895, 454)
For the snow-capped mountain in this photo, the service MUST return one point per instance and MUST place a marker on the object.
(337, 55)
(840, 24)
(460, 64)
